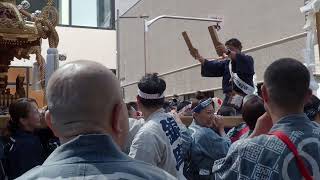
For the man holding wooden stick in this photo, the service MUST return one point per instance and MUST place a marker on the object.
(236, 69)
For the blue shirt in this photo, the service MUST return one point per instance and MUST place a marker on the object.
(243, 66)
(93, 156)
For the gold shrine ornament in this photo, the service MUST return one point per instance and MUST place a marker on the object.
(21, 34)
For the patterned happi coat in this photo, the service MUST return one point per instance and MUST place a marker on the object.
(266, 157)
(207, 146)
(159, 143)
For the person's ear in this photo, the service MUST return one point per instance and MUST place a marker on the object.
(116, 125)
(264, 93)
(195, 115)
(48, 120)
(265, 97)
(119, 124)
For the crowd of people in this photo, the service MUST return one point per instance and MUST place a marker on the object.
(87, 131)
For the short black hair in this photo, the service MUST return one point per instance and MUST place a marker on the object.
(152, 84)
(130, 108)
(194, 102)
(235, 43)
(252, 110)
(259, 85)
(200, 95)
(287, 81)
(312, 108)
(132, 104)
(227, 111)
(182, 104)
(166, 106)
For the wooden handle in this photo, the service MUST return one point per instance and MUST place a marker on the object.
(215, 39)
(187, 40)
(193, 51)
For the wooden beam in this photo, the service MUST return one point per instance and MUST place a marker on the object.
(229, 121)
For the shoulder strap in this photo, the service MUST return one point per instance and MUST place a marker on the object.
(285, 139)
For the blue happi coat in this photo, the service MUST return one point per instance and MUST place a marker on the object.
(266, 157)
(207, 146)
(94, 157)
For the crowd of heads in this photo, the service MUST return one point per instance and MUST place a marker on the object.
(85, 97)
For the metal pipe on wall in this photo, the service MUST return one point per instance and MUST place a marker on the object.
(262, 46)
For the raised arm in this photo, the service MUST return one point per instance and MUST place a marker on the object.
(213, 68)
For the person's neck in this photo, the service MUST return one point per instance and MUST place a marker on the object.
(148, 111)
(28, 129)
(278, 114)
(198, 122)
(66, 138)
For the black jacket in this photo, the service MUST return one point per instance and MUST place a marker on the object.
(243, 66)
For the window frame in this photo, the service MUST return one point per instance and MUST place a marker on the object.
(112, 22)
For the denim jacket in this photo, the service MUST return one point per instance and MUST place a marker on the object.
(93, 156)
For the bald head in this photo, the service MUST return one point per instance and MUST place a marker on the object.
(81, 97)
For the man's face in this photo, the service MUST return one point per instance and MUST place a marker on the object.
(33, 119)
(205, 117)
(232, 48)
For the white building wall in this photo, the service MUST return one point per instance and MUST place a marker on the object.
(125, 5)
(83, 44)
(253, 22)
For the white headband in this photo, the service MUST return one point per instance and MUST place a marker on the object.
(189, 106)
(150, 96)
